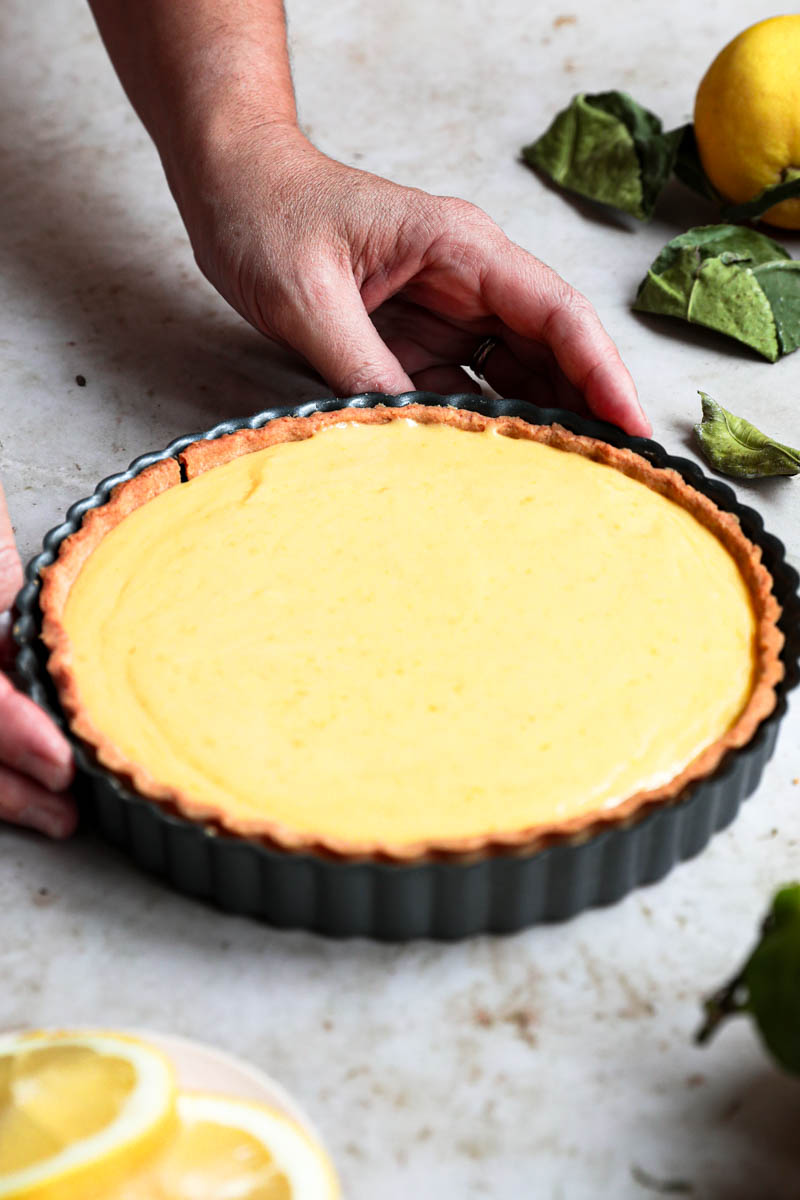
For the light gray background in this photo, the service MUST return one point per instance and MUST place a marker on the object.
(554, 1064)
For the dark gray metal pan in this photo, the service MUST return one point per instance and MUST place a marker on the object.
(438, 898)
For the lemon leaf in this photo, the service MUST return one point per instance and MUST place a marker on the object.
(712, 241)
(772, 979)
(689, 168)
(726, 297)
(735, 447)
(787, 189)
(608, 148)
(768, 985)
(780, 283)
(731, 279)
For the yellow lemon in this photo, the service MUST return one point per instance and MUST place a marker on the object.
(79, 1111)
(233, 1148)
(747, 115)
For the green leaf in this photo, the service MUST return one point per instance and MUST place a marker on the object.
(780, 283)
(787, 189)
(726, 297)
(772, 979)
(608, 148)
(731, 279)
(689, 168)
(655, 149)
(714, 240)
(768, 985)
(735, 447)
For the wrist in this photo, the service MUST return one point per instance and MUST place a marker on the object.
(212, 144)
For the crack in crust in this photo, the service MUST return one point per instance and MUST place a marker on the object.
(203, 456)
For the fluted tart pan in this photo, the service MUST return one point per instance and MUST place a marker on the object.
(439, 895)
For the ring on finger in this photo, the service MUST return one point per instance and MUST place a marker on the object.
(482, 352)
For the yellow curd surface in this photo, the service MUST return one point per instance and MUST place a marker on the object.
(400, 631)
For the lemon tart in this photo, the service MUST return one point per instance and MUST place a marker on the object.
(410, 631)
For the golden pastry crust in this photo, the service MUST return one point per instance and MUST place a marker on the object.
(205, 455)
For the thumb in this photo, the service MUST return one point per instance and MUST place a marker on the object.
(338, 338)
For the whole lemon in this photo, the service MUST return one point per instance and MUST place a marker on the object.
(747, 115)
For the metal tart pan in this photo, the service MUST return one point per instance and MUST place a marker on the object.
(441, 898)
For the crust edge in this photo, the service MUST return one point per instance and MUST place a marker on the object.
(202, 456)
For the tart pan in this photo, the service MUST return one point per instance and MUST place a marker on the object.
(441, 897)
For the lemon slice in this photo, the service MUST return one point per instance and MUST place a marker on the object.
(225, 1149)
(79, 1111)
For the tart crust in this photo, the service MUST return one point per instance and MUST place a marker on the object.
(202, 456)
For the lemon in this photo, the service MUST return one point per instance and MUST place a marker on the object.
(79, 1111)
(747, 115)
(224, 1148)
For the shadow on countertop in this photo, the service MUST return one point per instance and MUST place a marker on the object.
(741, 1125)
(108, 284)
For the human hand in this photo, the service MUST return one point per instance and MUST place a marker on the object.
(35, 758)
(386, 288)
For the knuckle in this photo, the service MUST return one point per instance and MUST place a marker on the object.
(569, 309)
(314, 282)
(368, 376)
(463, 214)
(464, 236)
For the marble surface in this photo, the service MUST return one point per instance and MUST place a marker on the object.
(555, 1064)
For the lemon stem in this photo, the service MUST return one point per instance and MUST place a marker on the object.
(729, 1001)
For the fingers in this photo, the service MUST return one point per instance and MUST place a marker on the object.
(537, 379)
(420, 338)
(35, 758)
(24, 802)
(35, 764)
(429, 349)
(332, 329)
(10, 577)
(535, 303)
(446, 380)
(29, 741)
(10, 566)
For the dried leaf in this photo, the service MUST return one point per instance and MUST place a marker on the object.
(689, 168)
(780, 283)
(731, 279)
(608, 148)
(735, 447)
(787, 189)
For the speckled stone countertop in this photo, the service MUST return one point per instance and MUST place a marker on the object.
(554, 1064)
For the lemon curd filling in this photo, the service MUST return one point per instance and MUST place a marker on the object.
(388, 633)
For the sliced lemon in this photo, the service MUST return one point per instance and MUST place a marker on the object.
(225, 1149)
(79, 1111)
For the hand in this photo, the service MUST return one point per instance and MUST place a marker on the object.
(385, 288)
(35, 758)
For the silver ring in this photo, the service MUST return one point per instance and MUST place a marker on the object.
(479, 358)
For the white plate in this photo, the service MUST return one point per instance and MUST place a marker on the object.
(206, 1069)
